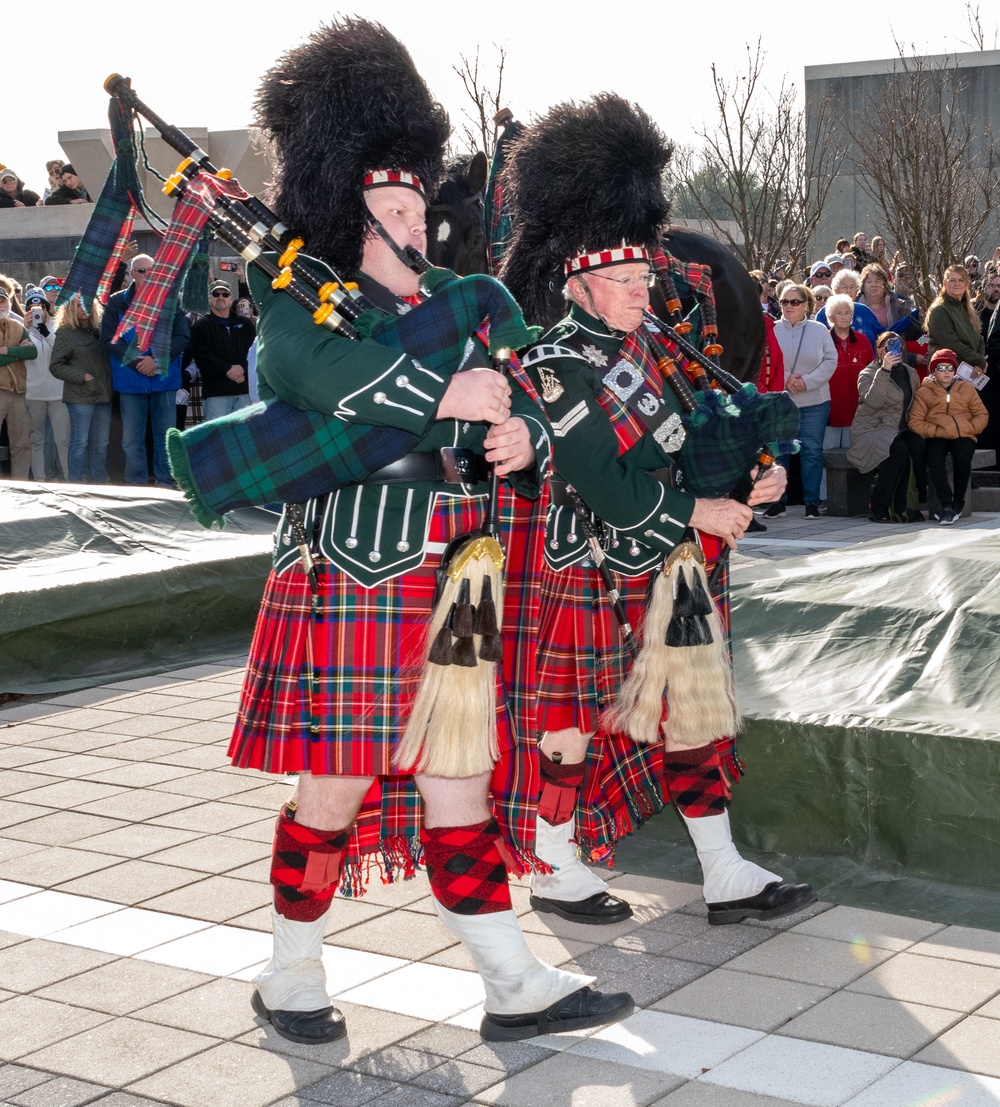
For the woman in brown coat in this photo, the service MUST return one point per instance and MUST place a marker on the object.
(880, 437)
(948, 414)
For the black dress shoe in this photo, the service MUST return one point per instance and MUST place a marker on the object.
(776, 900)
(309, 1027)
(579, 1010)
(601, 908)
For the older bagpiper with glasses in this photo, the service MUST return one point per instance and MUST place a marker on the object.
(584, 185)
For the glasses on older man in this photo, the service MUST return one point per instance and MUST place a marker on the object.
(647, 280)
(224, 295)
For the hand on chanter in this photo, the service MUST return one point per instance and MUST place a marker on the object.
(478, 396)
(508, 446)
(770, 488)
(725, 518)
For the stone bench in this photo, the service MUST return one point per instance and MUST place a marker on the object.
(848, 492)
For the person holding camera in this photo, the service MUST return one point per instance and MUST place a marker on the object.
(948, 413)
(880, 436)
(44, 393)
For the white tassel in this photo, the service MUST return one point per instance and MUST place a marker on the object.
(698, 680)
(452, 729)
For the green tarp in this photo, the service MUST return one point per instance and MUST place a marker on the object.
(102, 583)
(870, 680)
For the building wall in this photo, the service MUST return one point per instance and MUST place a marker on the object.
(847, 88)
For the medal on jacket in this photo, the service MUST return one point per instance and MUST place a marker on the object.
(551, 388)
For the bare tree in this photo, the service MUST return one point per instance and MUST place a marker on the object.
(980, 36)
(480, 132)
(926, 161)
(759, 168)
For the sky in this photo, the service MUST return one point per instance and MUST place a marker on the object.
(206, 76)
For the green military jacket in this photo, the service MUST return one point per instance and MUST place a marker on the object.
(374, 531)
(614, 425)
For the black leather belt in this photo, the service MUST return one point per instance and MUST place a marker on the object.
(450, 465)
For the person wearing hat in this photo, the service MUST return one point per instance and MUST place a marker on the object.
(584, 186)
(835, 263)
(334, 675)
(44, 392)
(948, 414)
(16, 348)
(13, 194)
(220, 343)
(819, 273)
(70, 190)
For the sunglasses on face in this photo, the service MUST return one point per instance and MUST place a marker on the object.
(51, 287)
(791, 303)
(224, 295)
(140, 270)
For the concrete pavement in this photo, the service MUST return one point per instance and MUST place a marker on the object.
(133, 911)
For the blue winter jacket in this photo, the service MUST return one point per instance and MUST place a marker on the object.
(124, 376)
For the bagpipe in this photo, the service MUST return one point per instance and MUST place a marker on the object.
(273, 451)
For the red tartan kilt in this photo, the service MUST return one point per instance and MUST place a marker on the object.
(582, 658)
(367, 656)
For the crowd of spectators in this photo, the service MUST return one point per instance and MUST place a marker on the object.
(62, 376)
(874, 370)
(64, 187)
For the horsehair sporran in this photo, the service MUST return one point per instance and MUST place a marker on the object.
(697, 678)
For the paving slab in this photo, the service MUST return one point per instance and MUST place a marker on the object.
(590, 1080)
(119, 1051)
(744, 999)
(871, 1023)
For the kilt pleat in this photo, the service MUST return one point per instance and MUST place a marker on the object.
(367, 648)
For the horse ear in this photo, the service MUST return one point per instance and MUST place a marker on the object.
(476, 172)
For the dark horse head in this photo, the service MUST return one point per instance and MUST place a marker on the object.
(455, 237)
(455, 240)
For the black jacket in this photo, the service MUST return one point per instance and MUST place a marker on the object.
(218, 344)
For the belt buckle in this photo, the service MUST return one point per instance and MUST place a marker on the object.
(458, 465)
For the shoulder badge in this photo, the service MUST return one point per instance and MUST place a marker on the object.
(551, 388)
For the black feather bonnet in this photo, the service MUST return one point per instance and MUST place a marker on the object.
(346, 102)
(583, 178)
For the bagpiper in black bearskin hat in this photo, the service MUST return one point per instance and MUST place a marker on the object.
(345, 112)
(585, 190)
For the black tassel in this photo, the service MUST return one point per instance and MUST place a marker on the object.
(441, 650)
(485, 622)
(491, 648)
(699, 632)
(676, 636)
(463, 613)
(700, 600)
(464, 653)
(684, 604)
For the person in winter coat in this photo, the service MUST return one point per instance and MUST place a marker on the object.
(948, 413)
(44, 392)
(854, 352)
(810, 359)
(880, 437)
(953, 323)
(83, 363)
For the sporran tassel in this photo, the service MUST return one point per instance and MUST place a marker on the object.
(684, 655)
(452, 729)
